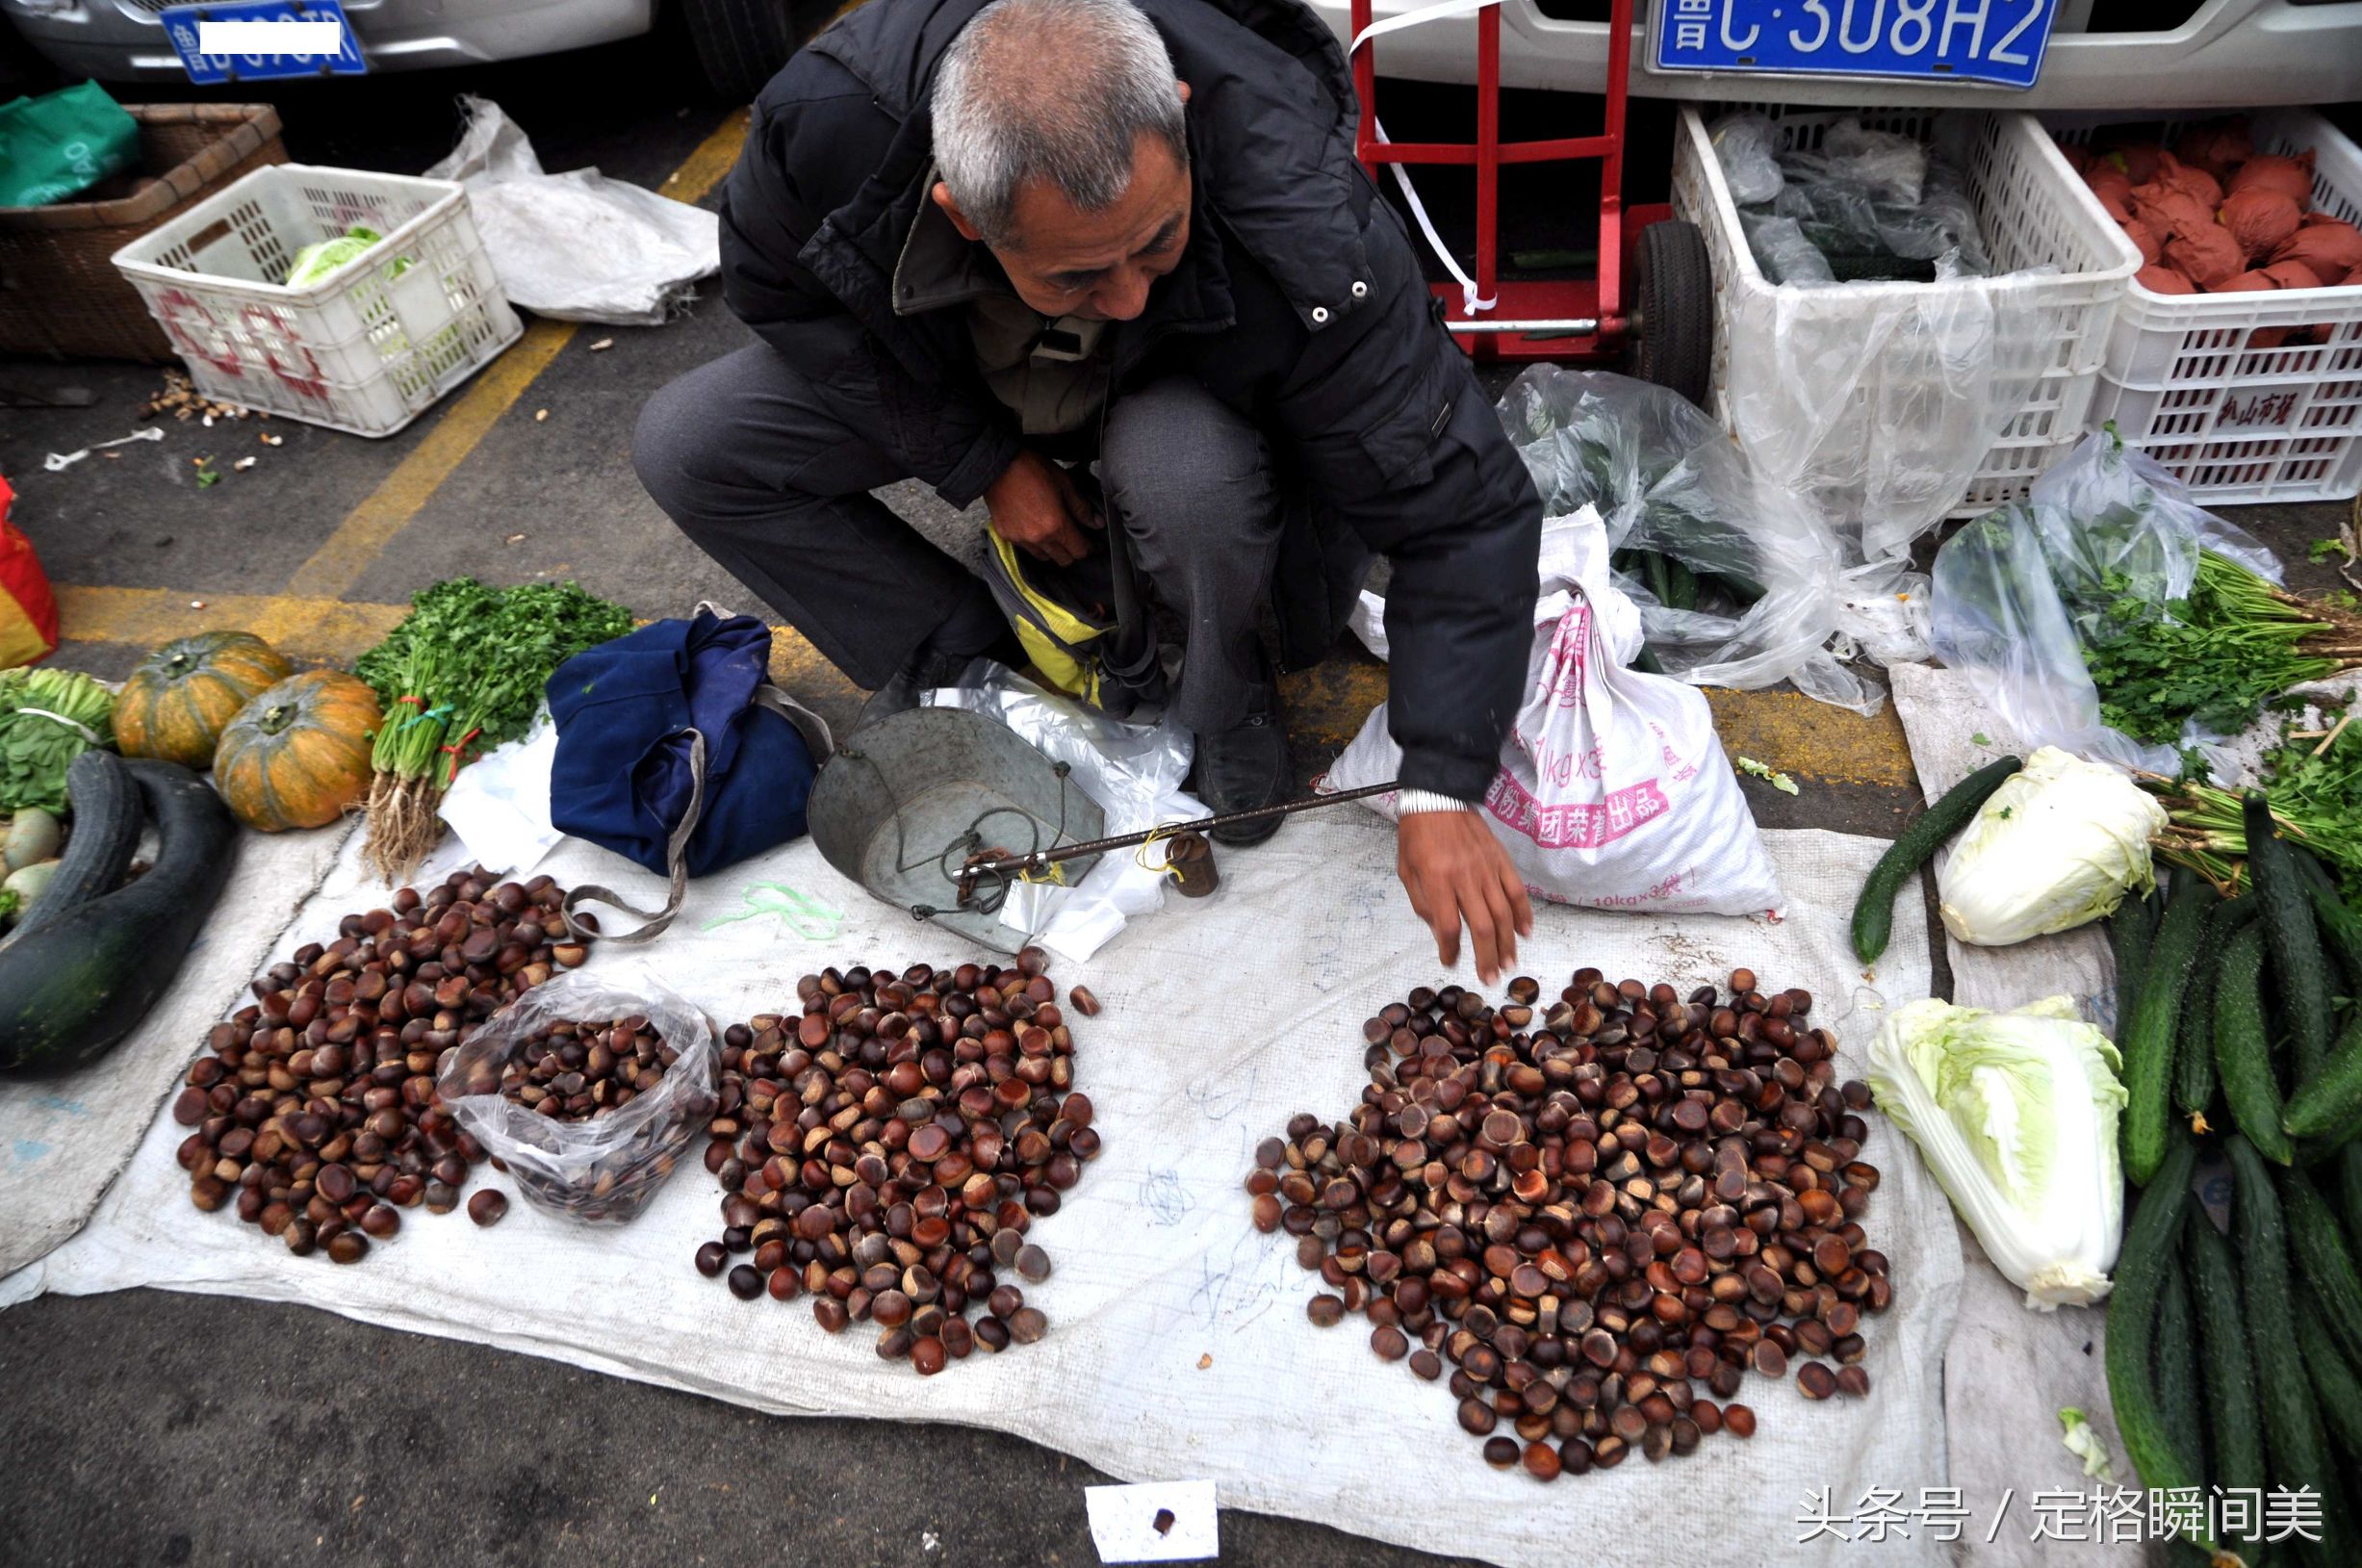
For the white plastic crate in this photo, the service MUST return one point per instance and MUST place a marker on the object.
(2195, 381)
(2034, 212)
(363, 349)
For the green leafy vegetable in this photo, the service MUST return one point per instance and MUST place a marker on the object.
(1981, 738)
(2084, 1444)
(48, 718)
(2016, 1115)
(2314, 785)
(1764, 771)
(2218, 656)
(462, 673)
(2327, 550)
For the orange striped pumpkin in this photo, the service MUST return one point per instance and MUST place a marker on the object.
(176, 701)
(298, 755)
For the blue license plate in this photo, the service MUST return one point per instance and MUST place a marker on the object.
(1995, 42)
(180, 25)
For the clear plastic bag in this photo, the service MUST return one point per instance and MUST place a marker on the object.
(1892, 166)
(1766, 573)
(2018, 591)
(1879, 414)
(1748, 144)
(1781, 250)
(604, 1169)
(1133, 771)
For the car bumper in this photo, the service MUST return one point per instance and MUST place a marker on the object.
(2231, 54)
(122, 41)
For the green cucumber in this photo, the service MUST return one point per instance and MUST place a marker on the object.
(1874, 910)
(2130, 930)
(2329, 1098)
(2323, 1259)
(2146, 1040)
(2147, 1257)
(2341, 928)
(2193, 1051)
(2299, 970)
(2173, 1362)
(2350, 1186)
(2292, 1433)
(2230, 1368)
(2242, 1049)
(2340, 1388)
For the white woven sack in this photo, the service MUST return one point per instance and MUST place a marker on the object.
(1613, 790)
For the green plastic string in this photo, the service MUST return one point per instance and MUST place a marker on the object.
(805, 917)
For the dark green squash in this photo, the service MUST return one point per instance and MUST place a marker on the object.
(72, 989)
(107, 815)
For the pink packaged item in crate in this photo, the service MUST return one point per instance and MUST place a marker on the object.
(1613, 792)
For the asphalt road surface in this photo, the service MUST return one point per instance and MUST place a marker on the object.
(150, 1427)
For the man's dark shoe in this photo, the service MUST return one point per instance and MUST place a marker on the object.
(1243, 768)
(929, 668)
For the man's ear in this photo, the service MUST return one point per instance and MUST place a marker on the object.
(941, 194)
(1184, 91)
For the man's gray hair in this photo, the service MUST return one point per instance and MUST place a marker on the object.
(1057, 91)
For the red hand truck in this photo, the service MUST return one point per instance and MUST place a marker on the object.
(1665, 336)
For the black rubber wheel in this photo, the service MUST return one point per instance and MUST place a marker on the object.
(741, 44)
(1671, 340)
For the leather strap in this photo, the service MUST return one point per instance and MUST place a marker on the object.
(677, 846)
(676, 860)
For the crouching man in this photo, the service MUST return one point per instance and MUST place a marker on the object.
(988, 246)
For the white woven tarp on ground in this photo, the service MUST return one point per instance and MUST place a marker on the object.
(2010, 1370)
(1179, 1349)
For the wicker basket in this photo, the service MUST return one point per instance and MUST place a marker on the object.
(60, 293)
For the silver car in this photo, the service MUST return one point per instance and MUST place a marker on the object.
(2157, 55)
(739, 43)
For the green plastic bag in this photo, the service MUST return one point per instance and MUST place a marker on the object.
(58, 146)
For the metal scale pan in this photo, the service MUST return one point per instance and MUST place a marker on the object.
(907, 801)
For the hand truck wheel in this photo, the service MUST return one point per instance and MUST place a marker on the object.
(1672, 335)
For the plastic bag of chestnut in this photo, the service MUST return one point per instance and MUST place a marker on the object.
(586, 1090)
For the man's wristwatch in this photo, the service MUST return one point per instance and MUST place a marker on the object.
(1413, 802)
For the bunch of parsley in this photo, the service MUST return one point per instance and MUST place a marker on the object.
(2313, 782)
(2216, 657)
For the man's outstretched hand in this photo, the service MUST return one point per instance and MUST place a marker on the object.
(1037, 508)
(1457, 874)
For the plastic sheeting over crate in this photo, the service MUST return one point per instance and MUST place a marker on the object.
(1896, 404)
(1178, 1348)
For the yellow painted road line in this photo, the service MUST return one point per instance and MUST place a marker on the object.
(1326, 706)
(303, 629)
(347, 554)
(334, 631)
(358, 541)
(711, 162)
(1791, 731)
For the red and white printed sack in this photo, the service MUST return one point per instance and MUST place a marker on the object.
(1613, 790)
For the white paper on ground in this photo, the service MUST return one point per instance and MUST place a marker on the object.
(1220, 1022)
(63, 1138)
(2010, 1369)
(499, 803)
(1124, 1522)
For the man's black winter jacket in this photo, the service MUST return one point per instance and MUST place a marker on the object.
(1298, 301)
